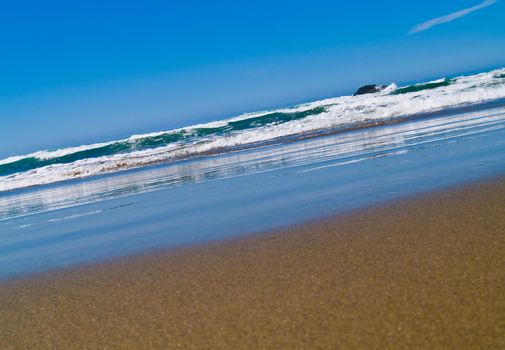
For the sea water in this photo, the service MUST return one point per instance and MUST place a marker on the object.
(256, 172)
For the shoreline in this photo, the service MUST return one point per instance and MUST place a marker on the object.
(425, 271)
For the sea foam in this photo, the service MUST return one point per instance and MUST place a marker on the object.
(250, 130)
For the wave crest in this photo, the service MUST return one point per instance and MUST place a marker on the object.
(250, 130)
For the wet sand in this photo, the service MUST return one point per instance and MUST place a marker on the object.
(425, 272)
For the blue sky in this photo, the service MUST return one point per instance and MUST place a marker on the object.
(99, 70)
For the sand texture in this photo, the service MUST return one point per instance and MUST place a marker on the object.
(424, 272)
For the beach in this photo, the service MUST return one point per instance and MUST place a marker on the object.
(258, 175)
(421, 272)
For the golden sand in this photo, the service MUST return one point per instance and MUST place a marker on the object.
(419, 273)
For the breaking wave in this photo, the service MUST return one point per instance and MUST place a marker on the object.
(423, 86)
(251, 130)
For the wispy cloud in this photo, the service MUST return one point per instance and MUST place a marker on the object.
(450, 17)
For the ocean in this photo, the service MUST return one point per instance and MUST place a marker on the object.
(255, 172)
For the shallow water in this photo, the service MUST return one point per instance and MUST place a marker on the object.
(251, 130)
(223, 196)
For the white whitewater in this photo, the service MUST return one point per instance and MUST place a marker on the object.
(338, 112)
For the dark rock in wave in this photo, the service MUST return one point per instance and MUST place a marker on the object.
(369, 89)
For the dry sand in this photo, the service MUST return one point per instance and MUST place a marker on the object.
(427, 272)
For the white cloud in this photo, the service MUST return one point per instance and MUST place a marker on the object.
(450, 17)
